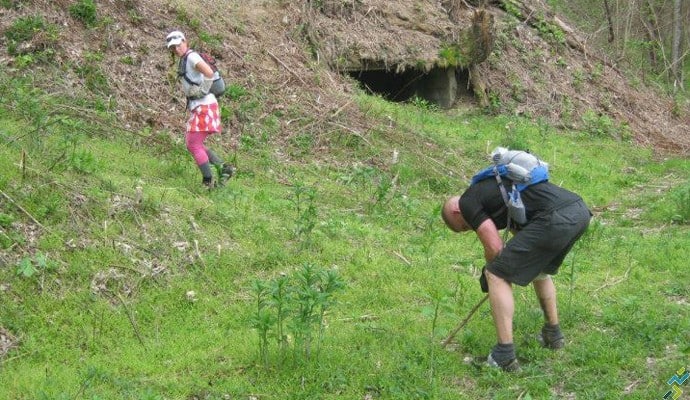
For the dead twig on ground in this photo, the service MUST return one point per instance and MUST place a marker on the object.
(400, 256)
(21, 209)
(464, 322)
(354, 132)
(130, 317)
(286, 67)
(614, 282)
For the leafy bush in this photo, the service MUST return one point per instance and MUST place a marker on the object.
(94, 77)
(304, 200)
(296, 304)
(30, 39)
(681, 199)
(84, 11)
(423, 104)
(453, 55)
(25, 28)
(549, 31)
(235, 91)
(30, 266)
(599, 126)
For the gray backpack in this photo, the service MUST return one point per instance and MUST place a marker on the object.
(522, 169)
(218, 86)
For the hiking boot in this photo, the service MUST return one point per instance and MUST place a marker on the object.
(226, 172)
(508, 366)
(551, 337)
(209, 183)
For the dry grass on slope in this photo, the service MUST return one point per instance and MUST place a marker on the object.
(279, 52)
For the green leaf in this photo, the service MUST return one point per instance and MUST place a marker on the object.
(26, 268)
(41, 260)
(428, 311)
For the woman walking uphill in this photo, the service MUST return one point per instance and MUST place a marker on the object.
(197, 77)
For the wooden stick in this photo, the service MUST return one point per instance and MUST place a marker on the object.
(409, 264)
(286, 67)
(22, 209)
(464, 322)
(614, 282)
(131, 318)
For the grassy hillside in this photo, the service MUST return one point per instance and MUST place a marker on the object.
(322, 270)
(317, 273)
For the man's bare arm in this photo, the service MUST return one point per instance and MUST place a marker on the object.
(491, 240)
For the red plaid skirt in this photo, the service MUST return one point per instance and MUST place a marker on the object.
(205, 118)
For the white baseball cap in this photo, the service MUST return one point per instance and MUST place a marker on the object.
(174, 38)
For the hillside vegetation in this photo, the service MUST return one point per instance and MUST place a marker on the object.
(322, 270)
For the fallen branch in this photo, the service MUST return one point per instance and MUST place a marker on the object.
(286, 67)
(131, 318)
(464, 322)
(409, 264)
(354, 132)
(339, 110)
(238, 55)
(613, 283)
(22, 209)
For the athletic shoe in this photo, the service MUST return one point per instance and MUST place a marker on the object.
(226, 172)
(209, 183)
(509, 366)
(551, 339)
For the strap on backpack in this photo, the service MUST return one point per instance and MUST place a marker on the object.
(182, 68)
(504, 194)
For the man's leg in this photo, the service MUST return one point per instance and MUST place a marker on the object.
(551, 335)
(546, 293)
(502, 307)
(502, 310)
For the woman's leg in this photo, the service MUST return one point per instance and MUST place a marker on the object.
(195, 145)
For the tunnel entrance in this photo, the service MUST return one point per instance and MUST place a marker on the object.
(439, 86)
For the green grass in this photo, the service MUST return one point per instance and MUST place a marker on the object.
(107, 314)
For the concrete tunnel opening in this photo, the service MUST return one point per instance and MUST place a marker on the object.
(439, 86)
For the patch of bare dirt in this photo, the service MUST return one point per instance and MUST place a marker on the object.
(7, 342)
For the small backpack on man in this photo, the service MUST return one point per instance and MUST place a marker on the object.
(218, 86)
(523, 169)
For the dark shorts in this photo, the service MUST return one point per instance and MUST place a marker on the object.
(541, 246)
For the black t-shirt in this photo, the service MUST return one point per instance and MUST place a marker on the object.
(483, 200)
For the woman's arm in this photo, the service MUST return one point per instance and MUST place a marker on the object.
(204, 68)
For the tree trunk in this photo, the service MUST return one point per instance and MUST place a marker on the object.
(609, 20)
(478, 86)
(675, 48)
(650, 22)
